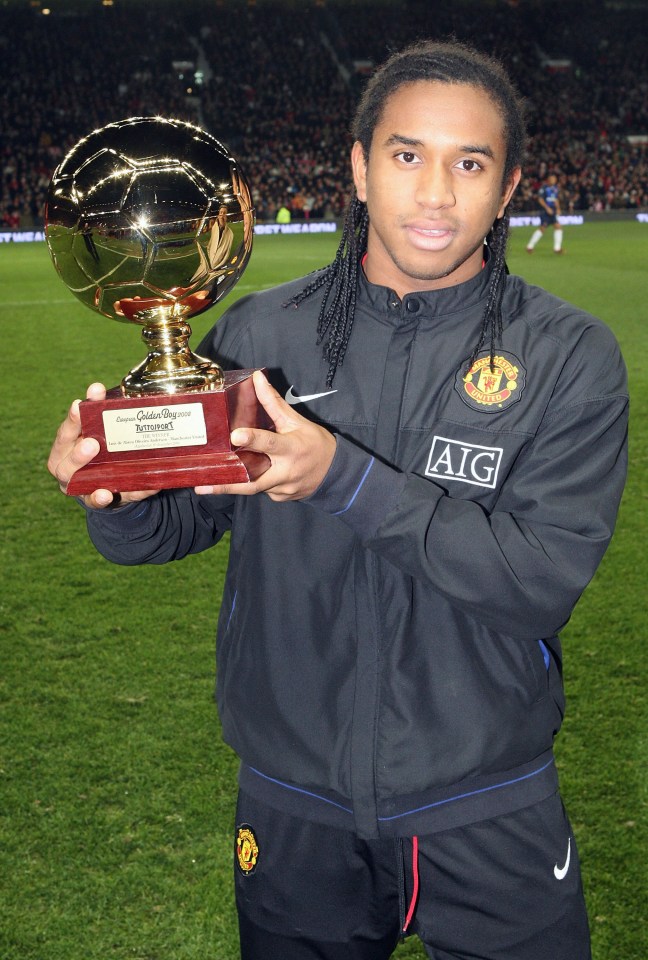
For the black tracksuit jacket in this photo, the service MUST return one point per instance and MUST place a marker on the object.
(387, 651)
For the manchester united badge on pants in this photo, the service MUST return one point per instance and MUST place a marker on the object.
(247, 849)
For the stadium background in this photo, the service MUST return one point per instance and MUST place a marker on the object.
(277, 82)
(115, 790)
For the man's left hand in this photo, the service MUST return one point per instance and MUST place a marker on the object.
(300, 451)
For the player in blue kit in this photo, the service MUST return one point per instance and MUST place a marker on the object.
(549, 200)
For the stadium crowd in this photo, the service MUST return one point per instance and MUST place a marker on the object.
(277, 82)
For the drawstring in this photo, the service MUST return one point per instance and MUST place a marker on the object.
(415, 884)
(404, 923)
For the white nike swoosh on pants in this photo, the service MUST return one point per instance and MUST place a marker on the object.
(561, 872)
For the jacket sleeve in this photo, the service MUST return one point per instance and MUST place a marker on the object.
(165, 527)
(521, 567)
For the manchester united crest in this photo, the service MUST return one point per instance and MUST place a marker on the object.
(490, 388)
(247, 849)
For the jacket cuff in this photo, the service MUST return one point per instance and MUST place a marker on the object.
(124, 518)
(358, 488)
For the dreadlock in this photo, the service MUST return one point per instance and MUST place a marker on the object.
(454, 63)
(492, 319)
(340, 279)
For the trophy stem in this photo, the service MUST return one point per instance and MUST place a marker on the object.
(171, 367)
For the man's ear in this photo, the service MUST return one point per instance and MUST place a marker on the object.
(359, 168)
(509, 190)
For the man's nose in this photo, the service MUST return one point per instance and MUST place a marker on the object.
(435, 187)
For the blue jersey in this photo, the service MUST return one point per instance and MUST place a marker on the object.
(550, 196)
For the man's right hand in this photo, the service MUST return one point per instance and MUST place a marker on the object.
(71, 451)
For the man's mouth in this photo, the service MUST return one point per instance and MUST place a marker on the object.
(426, 235)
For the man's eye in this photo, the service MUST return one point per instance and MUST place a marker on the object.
(469, 165)
(407, 156)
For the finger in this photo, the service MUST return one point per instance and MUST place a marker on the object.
(78, 456)
(283, 416)
(66, 436)
(100, 499)
(70, 430)
(247, 489)
(106, 498)
(96, 391)
(228, 489)
(260, 441)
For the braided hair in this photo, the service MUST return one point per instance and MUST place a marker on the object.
(453, 63)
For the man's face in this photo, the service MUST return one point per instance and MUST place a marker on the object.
(433, 185)
(222, 216)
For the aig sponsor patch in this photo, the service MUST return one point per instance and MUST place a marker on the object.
(491, 390)
(464, 462)
(247, 849)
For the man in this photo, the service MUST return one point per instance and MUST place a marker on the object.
(549, 200)
(444, 482)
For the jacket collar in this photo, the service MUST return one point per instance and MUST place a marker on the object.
(437, 303)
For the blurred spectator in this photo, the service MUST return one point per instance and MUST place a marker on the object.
(283, 215)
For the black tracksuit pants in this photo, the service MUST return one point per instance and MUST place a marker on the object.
(502, 889)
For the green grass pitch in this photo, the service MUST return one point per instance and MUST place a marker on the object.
(116, 793)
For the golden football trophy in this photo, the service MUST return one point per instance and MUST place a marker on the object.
(150, 221)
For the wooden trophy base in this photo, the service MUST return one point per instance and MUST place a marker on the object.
(177, 440)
